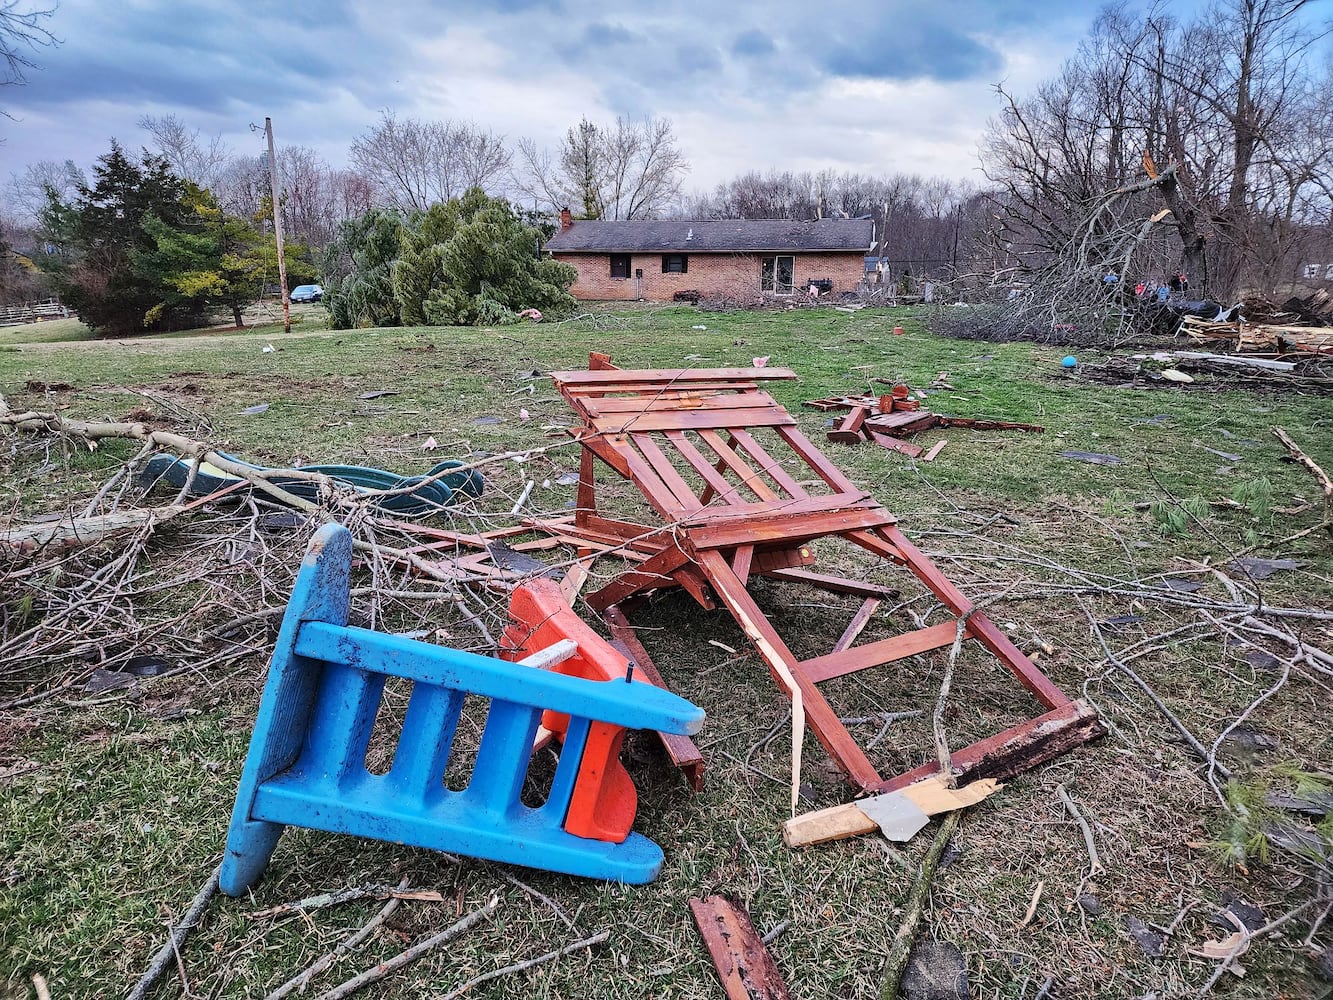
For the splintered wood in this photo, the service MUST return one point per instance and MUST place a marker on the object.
(743, 963)
(890, 418)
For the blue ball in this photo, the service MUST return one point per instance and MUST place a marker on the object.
(1069, 361)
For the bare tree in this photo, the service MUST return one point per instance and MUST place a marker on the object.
(413, 164)
(196, 158)
(631, 170)
(22, 32)
(27, 191)
(1160, 147)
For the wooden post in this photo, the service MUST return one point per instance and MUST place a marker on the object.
(277, 228)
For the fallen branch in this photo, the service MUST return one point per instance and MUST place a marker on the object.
(410, 955)
(1094, 860)
(1321, 477)
(300, 981)
(568, 949)
(914, 908)
(327, 899)
(167, 953)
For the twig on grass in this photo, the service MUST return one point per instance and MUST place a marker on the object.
(302, 979)
(1094, 860)
(915, 907)
(404, 958)
(349, 895)
(169, 951)
(568, 949)
(1032, 906)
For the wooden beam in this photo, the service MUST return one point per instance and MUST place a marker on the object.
(875, 654)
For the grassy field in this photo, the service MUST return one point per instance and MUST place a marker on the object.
(113, 806)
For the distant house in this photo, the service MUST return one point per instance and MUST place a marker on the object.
(655, 260)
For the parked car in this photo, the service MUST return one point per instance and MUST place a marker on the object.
(307, 293)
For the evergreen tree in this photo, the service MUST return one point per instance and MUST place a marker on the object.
(470, 260)
(102, 234)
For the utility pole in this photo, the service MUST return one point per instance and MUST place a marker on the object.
(277, 229)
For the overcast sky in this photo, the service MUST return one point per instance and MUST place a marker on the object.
(866, 86)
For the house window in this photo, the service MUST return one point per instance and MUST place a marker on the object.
(674, 263)
(620, 265)
(775, 274)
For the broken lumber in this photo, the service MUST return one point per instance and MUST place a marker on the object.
(743, 963)
(932, 796)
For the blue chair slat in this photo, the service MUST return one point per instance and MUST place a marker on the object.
(306, 764)
(649, 708)
(423, 746)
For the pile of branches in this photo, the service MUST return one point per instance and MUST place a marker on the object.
(119, 587)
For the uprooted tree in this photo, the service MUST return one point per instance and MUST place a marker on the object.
(1161, 148)
(470, 260)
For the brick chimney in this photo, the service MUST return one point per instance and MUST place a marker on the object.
(566, 220)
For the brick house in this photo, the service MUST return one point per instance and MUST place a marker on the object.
(734, 257)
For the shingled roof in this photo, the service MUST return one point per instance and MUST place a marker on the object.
(714, 236)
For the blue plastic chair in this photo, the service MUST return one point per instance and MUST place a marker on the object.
(306, 763)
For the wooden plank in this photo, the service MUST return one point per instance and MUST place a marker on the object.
(896, 444)
(783, 665)
(693, 420)
(770, 559)
(817, 460)
(689, 500)
(722, 532)
(741, 560)
(858, 623)
(836, 584)
(935, 450)
(849, 431)
(875, 654)
(743, 963)
(694, 402)
(606, 389)
(767, 463)
(717, 485)
(931, 795)
(979, 626)
(650, 575)
(671, 376)
(1017, 749)
(749, 477)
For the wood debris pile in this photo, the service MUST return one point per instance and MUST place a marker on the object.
(890, 418)
(1298, 325)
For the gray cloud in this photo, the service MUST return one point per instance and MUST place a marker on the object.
(749, 84)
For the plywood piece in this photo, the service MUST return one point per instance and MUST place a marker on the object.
(851, 819)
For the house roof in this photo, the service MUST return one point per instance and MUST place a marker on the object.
(714, 236)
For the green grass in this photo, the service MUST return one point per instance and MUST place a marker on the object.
(124, 808)
(49, 331)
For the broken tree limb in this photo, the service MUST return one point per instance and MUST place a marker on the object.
(167, 953)
(377, 972)
(1094, 860)
(1321, 477)
(915, 907)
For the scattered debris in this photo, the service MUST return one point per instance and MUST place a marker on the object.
(1148, 939)
(1092, 457)
(743, 963)
(926, 798)
(251, 411)
(378, 393)
(1261, 569)
(887, 419)
(175, 938)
